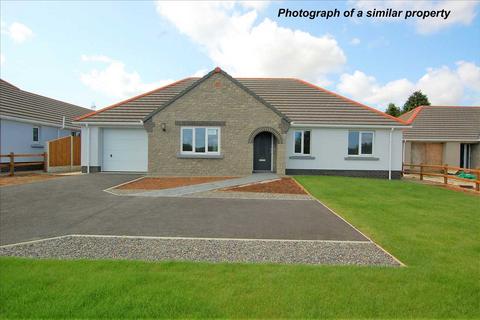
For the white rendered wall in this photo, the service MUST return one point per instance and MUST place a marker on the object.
(95, 151)
(329, 148)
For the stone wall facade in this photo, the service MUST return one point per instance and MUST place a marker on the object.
(216, 101)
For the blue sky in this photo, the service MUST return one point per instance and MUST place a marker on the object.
(103, 52)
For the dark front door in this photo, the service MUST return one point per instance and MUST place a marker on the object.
(262, 152)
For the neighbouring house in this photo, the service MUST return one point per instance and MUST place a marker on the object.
(28, 120)
(220, 125)
(443, 135)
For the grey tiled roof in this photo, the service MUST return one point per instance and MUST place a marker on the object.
(303, 102)
(17, 103)
(137, 108)
(443, 123)
(299, 101)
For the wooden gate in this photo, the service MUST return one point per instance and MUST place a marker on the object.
(64, 153)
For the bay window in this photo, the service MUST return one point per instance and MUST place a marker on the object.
(200, 140)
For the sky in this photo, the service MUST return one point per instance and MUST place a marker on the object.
(96, 53)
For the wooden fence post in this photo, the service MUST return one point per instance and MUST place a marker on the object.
(421, 171)
(71, 152)
(12, 164)
(477, 185)
(445, 173)
(45, 161)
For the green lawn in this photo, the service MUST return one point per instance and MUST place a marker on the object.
(434, 231)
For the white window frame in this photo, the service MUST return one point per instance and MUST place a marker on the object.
(360, 151)
(193, 140)
(38, 134)
(302, 153)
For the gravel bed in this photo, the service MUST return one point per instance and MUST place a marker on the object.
(249, 195)
(126, 192)
(223, 195)
(208, 250)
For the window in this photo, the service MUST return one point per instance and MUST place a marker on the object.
(301, 142)
(36, 134)
(360, 143)
(200, 140)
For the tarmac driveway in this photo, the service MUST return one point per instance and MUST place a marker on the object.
(77, 205)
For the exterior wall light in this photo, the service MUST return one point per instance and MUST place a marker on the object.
(163, 125)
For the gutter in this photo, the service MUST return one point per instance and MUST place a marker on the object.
(310, 125)
(43, 123)
(139, 123)
(443, 140)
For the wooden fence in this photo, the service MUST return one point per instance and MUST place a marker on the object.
(12, 164)
(442, 171)
(64, 152)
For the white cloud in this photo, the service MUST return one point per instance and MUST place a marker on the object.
(463, 12)
(96, 58)
(17, 31)
(114, 80)
(365, 88)
(200, 73)
(234, 41)
(470, 74)
(443, 86)
(355, 41)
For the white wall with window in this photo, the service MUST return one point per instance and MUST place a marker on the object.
(301, 142)
(343, 149)
(360, 143)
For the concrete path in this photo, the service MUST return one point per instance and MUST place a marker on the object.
(203, 187)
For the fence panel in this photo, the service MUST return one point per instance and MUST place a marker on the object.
(76, 150)
(59, 152)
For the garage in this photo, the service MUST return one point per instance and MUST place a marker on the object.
(125, 150)
(427, 153)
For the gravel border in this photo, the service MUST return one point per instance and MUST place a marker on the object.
(207, 250)
(222, 195)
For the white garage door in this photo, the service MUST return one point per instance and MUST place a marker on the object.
(125, 150)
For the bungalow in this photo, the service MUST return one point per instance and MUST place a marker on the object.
(220, 125)
(28, 120)
(443, 135)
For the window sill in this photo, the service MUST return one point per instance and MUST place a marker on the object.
(199, 156)
(362, 158)
(300, 157)
(36, 146)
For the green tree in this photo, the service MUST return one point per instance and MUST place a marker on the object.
(393, 110)
(416, 99)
